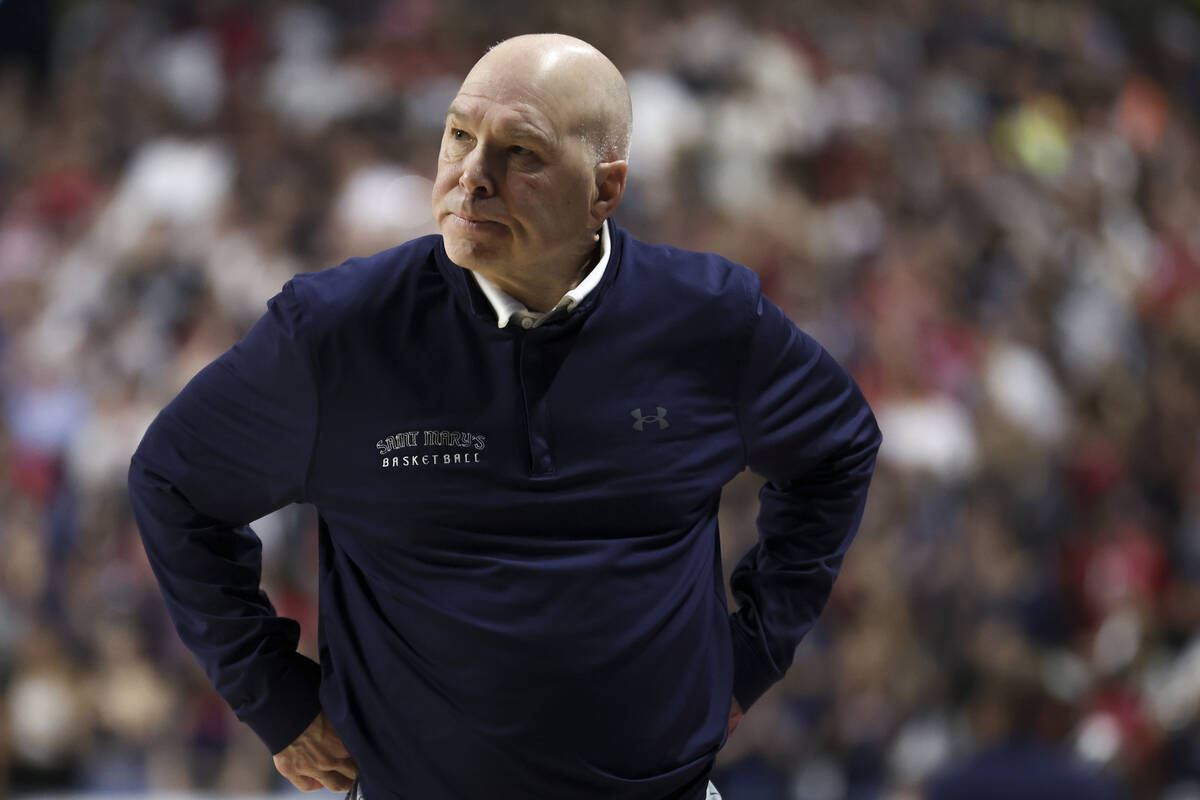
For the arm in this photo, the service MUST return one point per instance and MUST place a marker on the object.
(808, 430)
(234, 445)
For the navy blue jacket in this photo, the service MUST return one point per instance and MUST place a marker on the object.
(520, 583)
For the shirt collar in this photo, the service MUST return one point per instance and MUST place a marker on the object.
(508, 307)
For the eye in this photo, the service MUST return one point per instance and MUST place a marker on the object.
(458, 134)
(517, 150)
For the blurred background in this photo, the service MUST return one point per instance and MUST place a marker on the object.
(988, 211)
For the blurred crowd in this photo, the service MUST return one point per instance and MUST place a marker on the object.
(988, 210)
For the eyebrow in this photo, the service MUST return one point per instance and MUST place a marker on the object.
(521, 131)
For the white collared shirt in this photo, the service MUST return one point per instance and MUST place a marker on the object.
(508, 307)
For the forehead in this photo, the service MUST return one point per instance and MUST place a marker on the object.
(518, 119)
(499, 91)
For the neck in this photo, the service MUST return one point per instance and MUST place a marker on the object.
(540, 288)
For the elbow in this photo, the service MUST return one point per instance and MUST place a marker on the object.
(866, 441)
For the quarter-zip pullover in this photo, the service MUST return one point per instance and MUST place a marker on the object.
(520, 583)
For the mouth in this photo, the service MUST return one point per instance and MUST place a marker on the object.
(478, 223)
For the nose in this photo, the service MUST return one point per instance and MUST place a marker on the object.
(476, 177)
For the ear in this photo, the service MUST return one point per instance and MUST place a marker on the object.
(610, 188)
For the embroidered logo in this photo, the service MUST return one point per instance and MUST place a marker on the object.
(454, 447)
(659, 416)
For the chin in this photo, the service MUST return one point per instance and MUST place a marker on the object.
(469, 254)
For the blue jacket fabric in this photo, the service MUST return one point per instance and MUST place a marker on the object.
(520, 583)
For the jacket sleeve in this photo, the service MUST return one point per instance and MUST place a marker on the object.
(806, 429)
(232, 446)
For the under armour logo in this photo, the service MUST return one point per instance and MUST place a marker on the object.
(660, 416)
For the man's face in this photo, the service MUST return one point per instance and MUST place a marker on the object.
(514, 185)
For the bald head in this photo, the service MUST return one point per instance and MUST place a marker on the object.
(569, 74)
(532, 162)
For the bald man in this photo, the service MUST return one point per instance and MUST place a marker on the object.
(515, 433)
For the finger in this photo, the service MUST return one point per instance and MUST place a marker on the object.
(347, 771)
(306, 778)
(336, 781)
(304, 783)
(345, 766)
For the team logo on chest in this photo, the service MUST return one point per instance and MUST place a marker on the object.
(425, 448)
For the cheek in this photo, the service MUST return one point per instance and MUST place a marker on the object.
(445, 180)
(568, 212)
(552, 207)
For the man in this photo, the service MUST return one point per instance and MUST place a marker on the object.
(516, 434)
